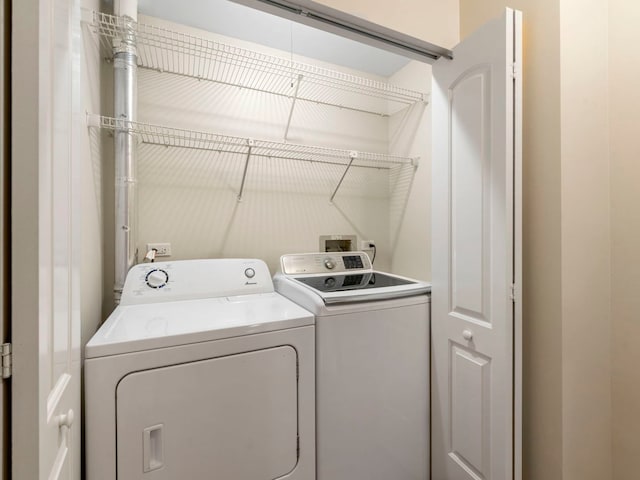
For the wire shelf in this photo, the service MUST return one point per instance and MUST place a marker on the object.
(175, 137)
(182, 54)
(247, 148)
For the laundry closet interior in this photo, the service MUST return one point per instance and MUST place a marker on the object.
(253, 150)
(238, 134)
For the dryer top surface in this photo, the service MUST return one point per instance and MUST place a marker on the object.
(132, 328)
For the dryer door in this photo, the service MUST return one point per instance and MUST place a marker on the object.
(232, 417)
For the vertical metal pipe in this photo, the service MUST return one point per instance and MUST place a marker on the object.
(125, 108)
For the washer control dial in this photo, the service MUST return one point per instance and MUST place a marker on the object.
(249, 273)
(329, 263)
(157, 278)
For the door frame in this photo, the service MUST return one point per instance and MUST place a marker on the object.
(45, 233)
(517, 247)
(5, 229)
(25, 176)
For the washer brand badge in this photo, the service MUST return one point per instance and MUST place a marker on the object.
(250, 283)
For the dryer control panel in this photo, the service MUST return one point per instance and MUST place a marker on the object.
(323, 263)
(195, 279)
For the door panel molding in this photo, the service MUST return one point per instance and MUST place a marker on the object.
(470, 113)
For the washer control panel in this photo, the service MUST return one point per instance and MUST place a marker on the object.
(195, 279)
(322, 263)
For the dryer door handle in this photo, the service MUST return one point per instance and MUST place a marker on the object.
(152, 448)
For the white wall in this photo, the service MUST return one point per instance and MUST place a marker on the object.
(188, 197)
(411, 231)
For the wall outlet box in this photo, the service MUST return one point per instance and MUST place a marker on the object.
(162, 249)
(364, 244)
(337, 243)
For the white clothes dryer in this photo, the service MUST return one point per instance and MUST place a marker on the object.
(372, 365)
(201, 372)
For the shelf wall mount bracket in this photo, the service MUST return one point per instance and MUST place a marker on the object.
(352, 156)
(293, 104)
(250, 145)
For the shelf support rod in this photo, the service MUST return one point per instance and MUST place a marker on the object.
(250, 143)
(293, 104)
(352, 156)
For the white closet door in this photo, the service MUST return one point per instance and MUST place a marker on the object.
(45, 224)
(476, 215)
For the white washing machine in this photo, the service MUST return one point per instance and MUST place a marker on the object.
(202, 372)
(372, 365)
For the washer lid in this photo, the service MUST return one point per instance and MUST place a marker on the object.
(132, 328)
(345, 277)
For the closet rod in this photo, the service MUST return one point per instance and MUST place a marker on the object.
(349, 26)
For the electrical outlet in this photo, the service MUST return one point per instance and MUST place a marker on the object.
(162, 249)
(364, 244)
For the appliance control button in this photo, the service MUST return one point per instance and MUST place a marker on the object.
(157, 278)
(330, 282)
(329, 263)
(250, 273)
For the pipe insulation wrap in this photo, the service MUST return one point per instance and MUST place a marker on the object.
(125, 108)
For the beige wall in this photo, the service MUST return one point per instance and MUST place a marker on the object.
(434, 21)
(542, 306)
(586, 289)
(567, 213)
(624, 68)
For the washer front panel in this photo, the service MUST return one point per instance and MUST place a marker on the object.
(372, 394)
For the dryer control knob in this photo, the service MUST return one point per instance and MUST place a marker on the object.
(329, 263)
(157, 278)
(249, 273)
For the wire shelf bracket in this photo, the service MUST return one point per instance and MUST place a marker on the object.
(352, 156)
(293, 104)
(250, 144)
